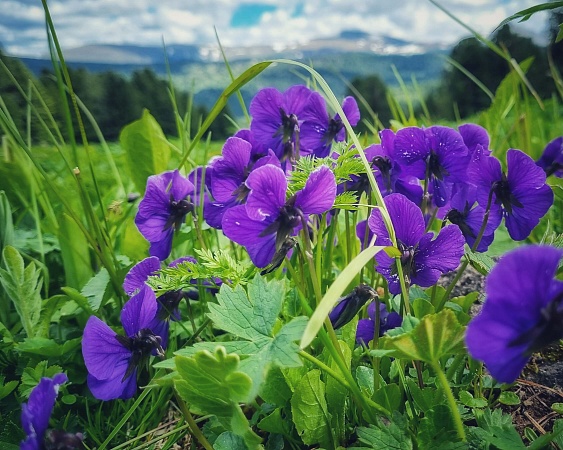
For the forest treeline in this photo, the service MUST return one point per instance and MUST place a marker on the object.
(112, 99)
(115, 100)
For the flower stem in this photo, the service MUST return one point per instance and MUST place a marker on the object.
(450, 399)
(194, 429)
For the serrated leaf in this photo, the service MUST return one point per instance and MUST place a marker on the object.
(499, 430)
(436, 335)
(212, 384)
(467, 399)
(6, 389)
(23, 286)
(32, 375)
(393, 436)
(509, 398)
(347, 200)
(309, 410)
(252, 315)
(146, 150)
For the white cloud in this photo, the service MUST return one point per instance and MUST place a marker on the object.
(146, 22)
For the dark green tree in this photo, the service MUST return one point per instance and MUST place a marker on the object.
(374, 91)
(489, 68)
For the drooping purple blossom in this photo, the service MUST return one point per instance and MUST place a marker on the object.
(350, 305)
(423, 257)
(521, 196)
(163, 210)
(35, 418)
(437, 154)
(319, 130)
(387, 321)
(112, 360)
(267, 220)
(551, 160)
(276, 120)
(523, 311)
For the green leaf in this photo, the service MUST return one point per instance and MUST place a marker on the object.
(79, 299)
(75, 252)
(335, 292)
(31, 377)
(337, 395)
(426, 398)
(559, 37)
(467, 399)
(436, 335)
(252, 316)
(47, 347)
(95, 289)
(229, 441)
(50, 307)
(23, 286)
(310, 412)
(6, 389)
(275, 423)
(525, 14)
(146, 150)
(557, 407)
(212, 384)
(393, 436)
(510, 398)
(389, 396)
(481, 262)
(6, 223)
(498, 430)
(437, 430)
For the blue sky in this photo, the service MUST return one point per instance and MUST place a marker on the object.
(244, 23)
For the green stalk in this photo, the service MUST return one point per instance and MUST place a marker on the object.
(451, 400)
(194, 429)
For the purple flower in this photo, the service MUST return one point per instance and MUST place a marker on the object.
(391, 177)
(163, 210)
(35, 418)
(521, 196)
(350, 305)
(228, 174)
(265, 223)
(112, 360)
(387, 321)
(523, 311)
(551, 160)
(319, 130)
(437, 154)
(276, 120)
(473, 136)
(423, 258)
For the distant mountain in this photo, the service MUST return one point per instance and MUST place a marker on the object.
(200, 69)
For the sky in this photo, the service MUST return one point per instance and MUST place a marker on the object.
(239, 23)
